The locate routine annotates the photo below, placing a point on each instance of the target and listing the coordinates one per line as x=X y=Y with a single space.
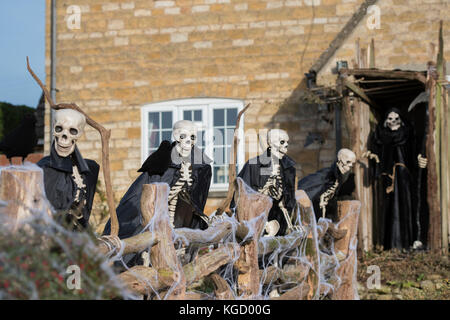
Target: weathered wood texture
x=253 y=207
x=348 y=215
x=163 y=255
x=21 y=190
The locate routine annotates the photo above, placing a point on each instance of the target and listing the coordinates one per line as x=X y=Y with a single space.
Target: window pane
x=154 y=139
x=231 y=117
x=166 y=135
x=230 y=135
x=166 y=120
x=153 y=120
x=198 y=115
x=219 y=137
x=219 y=117
x=187 y=115
x=219 y=155
x=220 y=174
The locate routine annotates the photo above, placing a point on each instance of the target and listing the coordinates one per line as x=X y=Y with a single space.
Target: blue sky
x=22 y=33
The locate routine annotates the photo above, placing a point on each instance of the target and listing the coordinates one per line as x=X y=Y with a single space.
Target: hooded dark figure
x=318 y=183
x=394 y=176
x=256 y=173
x=61 y=190
x=164 y=166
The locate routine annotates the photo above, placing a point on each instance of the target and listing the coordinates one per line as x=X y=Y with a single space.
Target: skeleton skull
x=346 y=160
x=68 y=127
x=278 y=141
x=185 y=134
x=393 y=121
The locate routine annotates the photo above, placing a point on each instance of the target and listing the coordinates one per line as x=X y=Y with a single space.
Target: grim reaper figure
x=328 y=185
x=273 y=173
x=185 y=168
x=69 y=179
x=392 y=147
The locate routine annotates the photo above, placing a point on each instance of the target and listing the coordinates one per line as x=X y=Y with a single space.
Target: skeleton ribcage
x=80 y=193
x=182 y=183
x=327 y=196
x=274 y=185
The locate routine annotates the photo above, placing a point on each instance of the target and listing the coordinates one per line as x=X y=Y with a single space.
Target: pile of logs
x=299 y=268
x=238 y=241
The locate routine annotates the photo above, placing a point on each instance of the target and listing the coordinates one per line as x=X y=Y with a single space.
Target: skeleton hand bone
x=371 y=155
x=423 y=162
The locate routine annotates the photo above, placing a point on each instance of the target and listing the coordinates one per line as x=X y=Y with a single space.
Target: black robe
x=129 y=209
x=317 y=183
x=60 y=188
x=395 y=209
x=255 y=174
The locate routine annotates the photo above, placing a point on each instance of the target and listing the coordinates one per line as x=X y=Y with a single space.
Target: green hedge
x=11 y=116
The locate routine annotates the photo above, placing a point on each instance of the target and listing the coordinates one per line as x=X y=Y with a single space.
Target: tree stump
x=154 y=207
x=21 y=192
x=348 y=215
x=254 y=208
x=312 y=248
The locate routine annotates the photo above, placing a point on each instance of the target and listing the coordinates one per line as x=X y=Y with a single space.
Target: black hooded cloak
x=397 y=167
x=129 y=209
x=317 y=183
x=60 y=188
x=255 y=174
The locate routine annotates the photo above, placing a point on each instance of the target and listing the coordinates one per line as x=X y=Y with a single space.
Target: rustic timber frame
x=360 y=89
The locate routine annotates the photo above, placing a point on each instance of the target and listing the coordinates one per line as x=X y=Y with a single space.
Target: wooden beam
x=388 y=74
x=360 y=92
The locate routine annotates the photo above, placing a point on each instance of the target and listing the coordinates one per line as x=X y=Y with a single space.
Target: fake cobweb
x=299 y=259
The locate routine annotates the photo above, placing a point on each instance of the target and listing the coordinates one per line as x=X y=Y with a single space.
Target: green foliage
x=11 y=116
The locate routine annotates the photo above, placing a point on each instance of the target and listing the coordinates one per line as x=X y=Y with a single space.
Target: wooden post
x=21 y=189
x=254 y=207
x=154 y=207
x=348 y=214
x=312 y=248
x=357 y=114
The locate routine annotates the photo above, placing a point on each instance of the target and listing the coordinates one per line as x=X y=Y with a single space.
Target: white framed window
x=216 y=120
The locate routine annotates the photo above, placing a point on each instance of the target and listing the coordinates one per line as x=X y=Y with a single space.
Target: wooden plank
x=360 y=92
x=388 y=74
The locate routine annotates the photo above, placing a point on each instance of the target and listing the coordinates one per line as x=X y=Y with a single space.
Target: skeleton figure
x=69 y=179
x=185 y=168
x=273 y=174
x=328 y=184
x=393 y=121
x=345 y=161
x=185 y=134
x=392 y=146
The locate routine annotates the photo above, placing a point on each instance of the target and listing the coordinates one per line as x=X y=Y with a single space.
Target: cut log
x=214 y=234
x=21 y=191
x=137 y=243
x=223 y=290
x=252 y=207
x=210 y=262
x=147 y=281
x=348 y=215
x=299 y=292
x=267 y=245
x=163 y=254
